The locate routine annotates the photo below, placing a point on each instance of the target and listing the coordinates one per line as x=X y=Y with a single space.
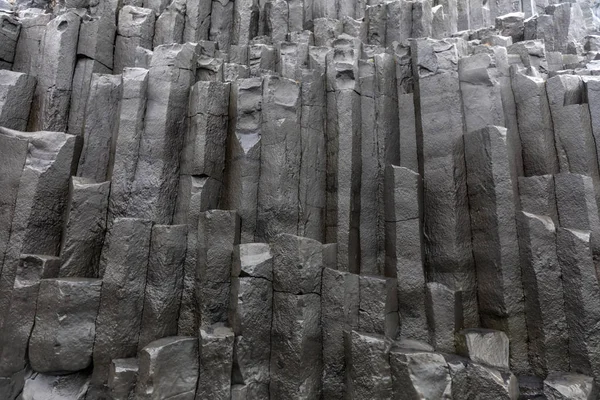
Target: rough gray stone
x=154 y=188
x=49 y=387
x=218 y=234
x=136 y=28
x=204 y=147
x=559 y=386
x=577 y=207
x=168 y=368
x=479 y=381
x=368 y=358
x=50 y=109
x=378 y=306
x=196 y=195
x=535 y=124
x=546 y=323
x=404 y=248
x=581 y=294
x=164 y=282
x=311 y=191
x=418 y=374
x=123 y=266
x=19 y=322
x=122 y=378
x=216 y=360
x=484 y=346
x=63 y=336
x=446 y=227
x=100 y=127
x=39 y=204
x=495 y=241
x=16 y=95
x=339 y=315
x=536 y=195
x=10 y=28
x=296 y=363
x=28 y=51
x=343 y=154
x=84 y=228
x=297 y=264
x=444 y=315
x=280 y=155
x=131 y=127
x=244 y=142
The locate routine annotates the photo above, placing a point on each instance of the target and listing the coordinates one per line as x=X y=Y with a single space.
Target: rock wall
x=299 y=199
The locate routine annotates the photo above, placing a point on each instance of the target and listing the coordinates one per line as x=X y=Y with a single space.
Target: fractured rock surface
x=299 y=199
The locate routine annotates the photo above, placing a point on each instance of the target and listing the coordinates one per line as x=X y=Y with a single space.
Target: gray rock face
x=49 y=387
x=50 y=107
x=404 y=248
x=495 y=241
x=296 y=347
x=63 y=337
x=16 y=94
x=19 y=322
x=40 y=164
x=124 y=263
x=569 y=386
x=164 y=283
x=546 y=323
x=218 y=234
x=122 y=378
x=418 y=374
x=100 y=127
x=216 y=359
x=85 y=228
x=484 y=346
x=370 y=374
x=168 y=368
x=321 y=198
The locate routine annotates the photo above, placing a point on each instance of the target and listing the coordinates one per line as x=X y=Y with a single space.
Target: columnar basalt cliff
x=299 y=199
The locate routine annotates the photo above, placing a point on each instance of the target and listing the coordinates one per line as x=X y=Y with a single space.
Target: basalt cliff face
x=299 y=199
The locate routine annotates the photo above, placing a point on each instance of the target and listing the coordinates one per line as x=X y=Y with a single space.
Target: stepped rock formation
x=299 y=199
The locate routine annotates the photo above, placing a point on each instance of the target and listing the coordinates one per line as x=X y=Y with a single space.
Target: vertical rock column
x=123 y=265
x=19 y=322
x=218 y=234
x=197 y=21
x=280 y=155
x=16 y=94
x=343 y=153
x=154 y=189
x=573 y=137
x=242 y=175
x=84 y=229
x=535 y=124
x=339 y=315
x=250 y=316
x=311 y=191
x=100 y=127
x=495 y=242
x=296 y=363
x=582 y=295
x=63 y=336
x=201 y=179
x=404 y=248
x=50 y=110
x=577 y=208
x=448 y=256
x=136 y=28
x=164 y=282
x=168 y=368
x=131 y=126
x=9 y=35
x=41 y=200
x=544 y=307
